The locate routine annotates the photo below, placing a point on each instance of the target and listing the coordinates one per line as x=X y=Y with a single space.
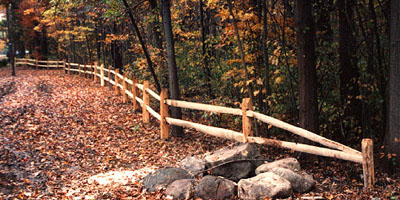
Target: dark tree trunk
x=392 y=139
x=116 y=51
x=142 y=43
x=265 y=53
x=204 y=33
x=306 y=65
x=348 y=73
x=172 y=68
x=10 y=39
x=155 y=26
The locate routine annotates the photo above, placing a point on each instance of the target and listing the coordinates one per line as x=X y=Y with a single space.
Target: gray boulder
x=234 y=171
x=300 y=182
x=244 y=154
x=164 y=177
x=181 y=189
x=213 y=187
x=265 y=185
x=193 y=165
x=288 y=163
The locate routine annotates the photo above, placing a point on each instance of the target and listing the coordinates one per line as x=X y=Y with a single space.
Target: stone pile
x=231 y=171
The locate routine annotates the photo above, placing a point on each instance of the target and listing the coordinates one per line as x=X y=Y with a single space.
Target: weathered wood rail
x=120 y=83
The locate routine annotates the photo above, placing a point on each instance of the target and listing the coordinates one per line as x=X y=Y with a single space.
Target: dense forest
x=331 y=67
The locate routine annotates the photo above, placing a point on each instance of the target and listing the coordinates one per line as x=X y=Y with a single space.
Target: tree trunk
x=349 y=75
x=392 y=139
x=10 y=39
x=205 y=56
x=265 y=53
x=172 y=68
x=306 y=65
x=142 y=43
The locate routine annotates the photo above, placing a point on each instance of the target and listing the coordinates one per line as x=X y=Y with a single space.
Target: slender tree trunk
x=142 y=43
x=205 y=55
x=306 y=65
x=392 y=139
x=172 y=68
x=10 y=39
x=241 y=51
x=348 y=74
x=265 y=53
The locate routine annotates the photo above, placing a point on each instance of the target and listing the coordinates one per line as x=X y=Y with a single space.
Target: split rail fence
x=120 y=81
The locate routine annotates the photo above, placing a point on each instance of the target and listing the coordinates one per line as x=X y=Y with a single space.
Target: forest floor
x=57 y=132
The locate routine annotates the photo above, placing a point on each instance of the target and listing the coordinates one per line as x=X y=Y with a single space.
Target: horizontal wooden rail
x=308 y=149
x=153 y=94
x=153 y=112
x=204 y=107
x=140 y=86
x=303 y=133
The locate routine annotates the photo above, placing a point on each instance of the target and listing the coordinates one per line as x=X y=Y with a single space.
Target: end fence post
x=134 y=93
x=246 y=121
x=367 y=149
x=164 y=127
x=125 y=99
x=146 y=101
x=116 y=88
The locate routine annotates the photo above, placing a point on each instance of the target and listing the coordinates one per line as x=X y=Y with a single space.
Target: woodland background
x=323 y=65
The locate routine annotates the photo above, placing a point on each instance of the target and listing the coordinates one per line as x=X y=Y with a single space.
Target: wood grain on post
x=164 y=113
x=69 y=69
x=246 y=121
x=368 y=162
x=134 y=93
x=95 y=72
x=109 y=76
x=125 y=98
x=116 y=88
x=102 y=75
x=146 y=101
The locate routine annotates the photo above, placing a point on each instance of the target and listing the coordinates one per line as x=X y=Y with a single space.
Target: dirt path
x=58 y=130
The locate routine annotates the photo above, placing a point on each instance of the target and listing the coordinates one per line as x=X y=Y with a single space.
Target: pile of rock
x=229 y=172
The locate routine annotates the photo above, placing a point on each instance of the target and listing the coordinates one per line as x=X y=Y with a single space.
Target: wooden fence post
x=95 y=73
x=58 y=63
x=146 y=101
x=164 y=127
x=102 y=75
x=368 y=162
x=69 y=69
x=65 y=68
x=36 y=64
x=109 y=77
x=246 y=121
x=134 y=93
x=48 y=64
x=116 y=88
x=84 y=70
x=79 y=69
x=125 y=99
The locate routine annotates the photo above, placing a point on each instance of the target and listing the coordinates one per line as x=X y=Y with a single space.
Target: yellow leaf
x=256 y=92
x=278 y=80
x=259 y=81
